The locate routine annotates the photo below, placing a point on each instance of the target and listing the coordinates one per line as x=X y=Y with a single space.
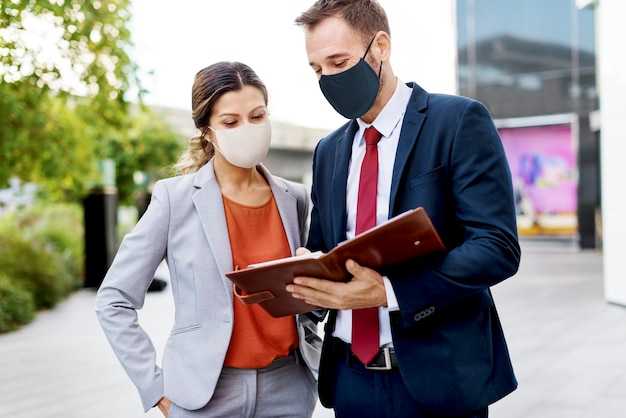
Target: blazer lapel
x=411 y=127
x=340 y=181
x=210 y=206
x=287 y=207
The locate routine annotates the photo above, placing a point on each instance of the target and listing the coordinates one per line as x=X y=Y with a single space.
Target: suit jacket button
x=423 y=314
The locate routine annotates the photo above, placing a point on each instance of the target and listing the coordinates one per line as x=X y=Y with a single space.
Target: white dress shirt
x=389 y=124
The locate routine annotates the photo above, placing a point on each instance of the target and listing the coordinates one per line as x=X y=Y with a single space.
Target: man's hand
x=365 y=290
x=302 y=251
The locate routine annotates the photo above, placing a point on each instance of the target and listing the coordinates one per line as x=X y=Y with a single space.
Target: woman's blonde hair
x=209 y=85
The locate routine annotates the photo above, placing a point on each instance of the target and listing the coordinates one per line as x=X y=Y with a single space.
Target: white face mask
x=244 y=146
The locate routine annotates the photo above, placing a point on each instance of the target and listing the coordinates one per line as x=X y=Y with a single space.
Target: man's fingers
x=313 y=283
x=365 y=289
x=353 y=267
x=315 y=291
x=302 y=251
x=303 y=285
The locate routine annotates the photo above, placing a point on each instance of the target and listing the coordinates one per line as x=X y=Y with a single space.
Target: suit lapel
x=340 y=181
x=411 y=127
x=287 y=206
x=210 y=206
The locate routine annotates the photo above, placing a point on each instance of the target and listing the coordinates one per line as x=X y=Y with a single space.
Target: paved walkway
x=568 y=347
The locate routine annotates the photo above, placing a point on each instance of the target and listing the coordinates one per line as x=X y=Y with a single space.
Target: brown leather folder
x=402 y=238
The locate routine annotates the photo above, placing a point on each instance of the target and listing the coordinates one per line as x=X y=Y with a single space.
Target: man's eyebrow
x=332 y=57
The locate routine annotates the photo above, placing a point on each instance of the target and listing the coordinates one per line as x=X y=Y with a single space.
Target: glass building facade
x=527 y=57
x=533 y=64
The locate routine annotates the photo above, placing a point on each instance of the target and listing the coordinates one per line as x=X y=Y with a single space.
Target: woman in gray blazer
x=224 y=212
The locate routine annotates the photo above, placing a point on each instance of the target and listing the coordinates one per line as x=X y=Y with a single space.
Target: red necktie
x=365 y=321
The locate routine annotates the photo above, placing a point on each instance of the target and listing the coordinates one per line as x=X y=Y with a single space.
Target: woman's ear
x=205 y=133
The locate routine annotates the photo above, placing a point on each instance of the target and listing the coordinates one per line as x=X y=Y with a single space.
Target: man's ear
x=382 y=46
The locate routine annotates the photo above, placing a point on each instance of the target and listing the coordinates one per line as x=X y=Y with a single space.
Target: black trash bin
x=100 y=217
x=142 y=193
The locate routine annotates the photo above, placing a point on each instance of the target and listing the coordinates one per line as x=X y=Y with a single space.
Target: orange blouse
x=256 y=235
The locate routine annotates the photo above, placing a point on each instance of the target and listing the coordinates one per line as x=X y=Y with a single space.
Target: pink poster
x=543 y=167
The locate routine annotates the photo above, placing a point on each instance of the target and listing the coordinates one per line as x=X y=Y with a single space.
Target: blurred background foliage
x=69 y=97
x=41 y=256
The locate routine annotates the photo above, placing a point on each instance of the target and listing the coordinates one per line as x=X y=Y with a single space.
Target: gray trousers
x=285 y=388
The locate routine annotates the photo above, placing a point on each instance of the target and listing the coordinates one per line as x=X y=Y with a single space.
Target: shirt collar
x=392 y=113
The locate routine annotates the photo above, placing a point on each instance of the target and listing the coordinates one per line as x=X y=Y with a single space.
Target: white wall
x=611 y=30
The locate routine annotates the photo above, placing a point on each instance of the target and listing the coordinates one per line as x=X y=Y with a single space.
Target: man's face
x=333 y=47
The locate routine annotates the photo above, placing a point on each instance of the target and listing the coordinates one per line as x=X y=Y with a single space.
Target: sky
x=174 y=40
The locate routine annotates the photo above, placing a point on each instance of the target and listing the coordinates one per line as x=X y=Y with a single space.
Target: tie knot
x=372 y=136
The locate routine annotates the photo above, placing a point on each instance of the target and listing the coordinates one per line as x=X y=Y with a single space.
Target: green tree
x=149 y=145
x=66 y=80
x=71 y=47
x=42 y=140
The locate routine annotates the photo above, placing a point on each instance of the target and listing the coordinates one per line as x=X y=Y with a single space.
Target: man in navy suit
x=440 y=347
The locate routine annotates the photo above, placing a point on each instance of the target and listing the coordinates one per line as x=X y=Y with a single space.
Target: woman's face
x=235 y=108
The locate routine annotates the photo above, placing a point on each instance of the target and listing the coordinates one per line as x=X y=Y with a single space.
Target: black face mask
x=353 y=91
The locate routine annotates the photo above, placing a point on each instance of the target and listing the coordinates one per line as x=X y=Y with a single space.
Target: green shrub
x=57 y=225
x=17 y=306
x=41 y=260
x=35 y=266
x=60 y=225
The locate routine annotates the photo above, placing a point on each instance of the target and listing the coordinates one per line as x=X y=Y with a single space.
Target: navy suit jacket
x=448 y=339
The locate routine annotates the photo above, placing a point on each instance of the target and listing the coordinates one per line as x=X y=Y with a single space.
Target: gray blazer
x=185 y=225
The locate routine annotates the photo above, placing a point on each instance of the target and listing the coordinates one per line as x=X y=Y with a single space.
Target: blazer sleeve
x=315 y=240
x=478 y=217
x=123 y=292
x=303 y=212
